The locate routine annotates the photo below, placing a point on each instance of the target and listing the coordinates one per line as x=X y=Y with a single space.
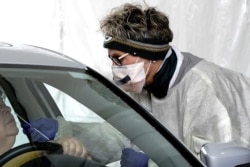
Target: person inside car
x=9 y=131
x=8 y=128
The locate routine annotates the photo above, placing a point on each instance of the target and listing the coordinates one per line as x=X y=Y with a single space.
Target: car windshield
x=89 y=111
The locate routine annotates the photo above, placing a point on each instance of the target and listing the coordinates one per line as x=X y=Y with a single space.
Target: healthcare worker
x=200 y=102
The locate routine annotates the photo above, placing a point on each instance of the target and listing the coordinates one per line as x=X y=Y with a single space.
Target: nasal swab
x=32 y=127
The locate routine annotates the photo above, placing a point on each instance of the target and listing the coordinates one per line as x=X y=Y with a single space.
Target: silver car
x=40 y=83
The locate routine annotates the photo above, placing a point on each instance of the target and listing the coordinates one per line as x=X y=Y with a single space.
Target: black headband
x=147 y=49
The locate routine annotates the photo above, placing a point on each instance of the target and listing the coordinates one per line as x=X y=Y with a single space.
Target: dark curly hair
x=131 y=21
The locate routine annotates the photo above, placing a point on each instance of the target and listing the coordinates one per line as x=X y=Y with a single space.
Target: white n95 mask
x=130 y=78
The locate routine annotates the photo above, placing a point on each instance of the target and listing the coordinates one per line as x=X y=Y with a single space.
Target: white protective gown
x=209 y=104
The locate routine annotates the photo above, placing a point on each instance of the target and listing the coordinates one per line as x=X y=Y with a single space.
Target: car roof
x=21 y=54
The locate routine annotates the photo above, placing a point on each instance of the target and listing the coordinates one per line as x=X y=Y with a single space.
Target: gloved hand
x=41 y=130
x=131 y=158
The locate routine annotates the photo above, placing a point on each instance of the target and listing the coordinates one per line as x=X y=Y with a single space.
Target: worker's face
x=126 y=60
x=150 y=68
x=133 y=73
x=119 y=59
x=8 y=128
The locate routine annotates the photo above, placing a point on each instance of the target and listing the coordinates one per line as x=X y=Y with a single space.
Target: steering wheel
x=27 y=152
x=43 y=154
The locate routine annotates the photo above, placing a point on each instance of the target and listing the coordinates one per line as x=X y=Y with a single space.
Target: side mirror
x=225 y=155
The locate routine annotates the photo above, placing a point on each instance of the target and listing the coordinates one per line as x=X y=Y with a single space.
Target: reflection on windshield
x=118 y=125
x=71 y=109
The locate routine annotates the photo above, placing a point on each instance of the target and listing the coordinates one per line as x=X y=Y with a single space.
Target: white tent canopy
x=218 y=30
